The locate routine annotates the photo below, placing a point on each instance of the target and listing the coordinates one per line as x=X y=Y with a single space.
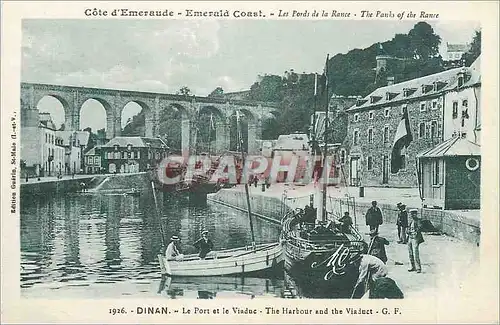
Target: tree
x=424 y=43
x=475 y=49
x=217 y=93
x=184 y=91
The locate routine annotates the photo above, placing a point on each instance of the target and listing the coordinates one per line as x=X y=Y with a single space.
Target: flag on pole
x=402 y=139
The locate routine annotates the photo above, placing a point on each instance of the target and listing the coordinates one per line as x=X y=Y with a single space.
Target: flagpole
x=325 y=139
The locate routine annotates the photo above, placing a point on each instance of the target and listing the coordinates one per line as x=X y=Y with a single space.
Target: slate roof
x=453 y=147
x=91 y=152
x=449 y=78
x=138 y=142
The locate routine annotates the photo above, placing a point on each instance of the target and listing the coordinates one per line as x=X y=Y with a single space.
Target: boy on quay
x=377 y=246
x=402 y=223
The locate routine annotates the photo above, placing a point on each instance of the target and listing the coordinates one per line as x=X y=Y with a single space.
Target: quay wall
x=269 y=208
x=40 y=188
x=451 y=223
x=125 y=182
x=95 y=183
x=272 y=208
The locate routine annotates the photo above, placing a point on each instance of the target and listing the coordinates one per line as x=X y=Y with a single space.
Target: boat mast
x=325 y=149
x=247 y=193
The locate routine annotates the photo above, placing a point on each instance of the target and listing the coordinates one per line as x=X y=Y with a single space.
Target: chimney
x=390 y=81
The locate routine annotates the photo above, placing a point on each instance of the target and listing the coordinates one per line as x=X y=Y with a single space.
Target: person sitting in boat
x=370 y=269
x=377 y=246
x=309 y=214
x=172 y=252
x=345 y=223
x=204 y=244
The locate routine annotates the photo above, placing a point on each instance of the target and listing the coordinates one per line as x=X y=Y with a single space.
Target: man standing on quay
x=374 y=217
x=415 y=238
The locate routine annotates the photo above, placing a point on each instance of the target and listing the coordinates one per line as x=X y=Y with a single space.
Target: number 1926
x=114 y=311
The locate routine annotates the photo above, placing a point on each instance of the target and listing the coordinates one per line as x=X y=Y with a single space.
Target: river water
x=90 y=245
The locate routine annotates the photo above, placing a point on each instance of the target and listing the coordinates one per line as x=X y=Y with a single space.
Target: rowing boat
x=225 y=262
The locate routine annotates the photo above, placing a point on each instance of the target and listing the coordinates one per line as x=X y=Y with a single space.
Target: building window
x=342 y=156
x=455 y=110
x=386 y=134
x=356 y=117
x=355 y=137
x=434 y=104
x=369 y=163
x=370 y=135
x=46 y=138
x=138 y=154
x=386 y=112
x=460 y=81
x=421 y=130
x=422 y=106
x=465 y=103
x=129 y=155
x=110 y=155
x=370 y=115
x=433 y=129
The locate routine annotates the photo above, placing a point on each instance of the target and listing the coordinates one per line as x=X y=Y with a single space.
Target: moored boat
x=318 y=249
x=225 y=262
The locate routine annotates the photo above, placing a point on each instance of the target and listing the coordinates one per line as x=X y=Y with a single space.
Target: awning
x=453 y=147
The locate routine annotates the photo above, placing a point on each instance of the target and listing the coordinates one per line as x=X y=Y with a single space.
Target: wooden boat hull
x=226 y=262
x=316 y=282
x=321 y=266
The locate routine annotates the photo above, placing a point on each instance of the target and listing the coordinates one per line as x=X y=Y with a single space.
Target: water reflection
x=110 y=242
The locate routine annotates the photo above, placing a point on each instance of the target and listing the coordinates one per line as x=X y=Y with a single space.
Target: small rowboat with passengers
x=225 y=262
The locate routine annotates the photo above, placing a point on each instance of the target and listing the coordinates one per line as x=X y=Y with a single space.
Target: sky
x=164 y=55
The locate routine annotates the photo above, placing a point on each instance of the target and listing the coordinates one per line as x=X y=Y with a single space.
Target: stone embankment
x=94 y=183
x=275 y=201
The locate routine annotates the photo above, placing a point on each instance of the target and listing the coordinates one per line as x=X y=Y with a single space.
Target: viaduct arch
x=114 y=101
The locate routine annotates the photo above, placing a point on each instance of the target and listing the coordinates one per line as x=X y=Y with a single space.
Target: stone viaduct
x=72 y=98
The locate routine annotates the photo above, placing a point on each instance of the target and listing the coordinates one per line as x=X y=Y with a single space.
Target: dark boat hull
x=315 y=280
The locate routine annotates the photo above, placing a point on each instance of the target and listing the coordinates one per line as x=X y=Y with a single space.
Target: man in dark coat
x=204 y=245
x=402 y=223
x=374 y=216
x=377 y=246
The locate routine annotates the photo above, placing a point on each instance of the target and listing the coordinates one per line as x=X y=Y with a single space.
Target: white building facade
x=462 y=102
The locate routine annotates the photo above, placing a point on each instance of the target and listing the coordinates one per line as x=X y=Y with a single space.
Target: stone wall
x=36 y=188
x=265 y=207
x=379 y=148
x=448 y=222
x=272 y=208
